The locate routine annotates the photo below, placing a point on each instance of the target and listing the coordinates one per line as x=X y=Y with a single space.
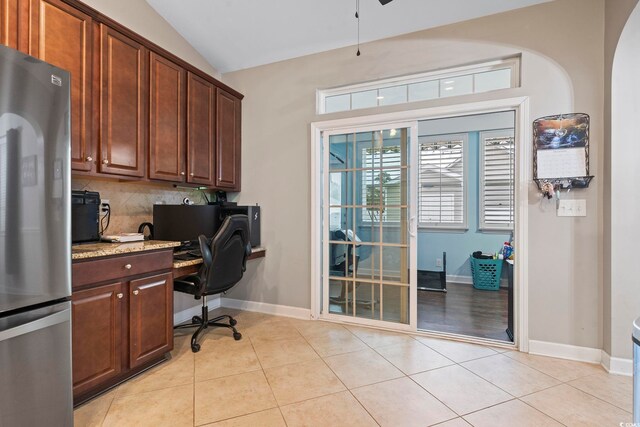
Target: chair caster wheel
x=237 y=336
x=195 y=348
x=233 y=322
x=195 y=319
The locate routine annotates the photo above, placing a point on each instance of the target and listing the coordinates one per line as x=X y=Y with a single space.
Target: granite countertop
x=196 y=261
x=95 y=250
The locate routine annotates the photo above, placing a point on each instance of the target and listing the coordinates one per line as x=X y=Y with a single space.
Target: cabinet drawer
x=100 y=270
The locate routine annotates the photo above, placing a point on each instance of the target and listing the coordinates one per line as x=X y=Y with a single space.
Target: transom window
x=477 y=78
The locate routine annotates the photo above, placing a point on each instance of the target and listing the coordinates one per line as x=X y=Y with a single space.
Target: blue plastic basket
x=486 y=273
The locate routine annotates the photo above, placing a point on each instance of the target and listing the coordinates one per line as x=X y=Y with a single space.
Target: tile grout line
x=542 y=412
x=108 y=409
x=193 y=412
x=594 y=396
x=266 y=378
x=339 y=379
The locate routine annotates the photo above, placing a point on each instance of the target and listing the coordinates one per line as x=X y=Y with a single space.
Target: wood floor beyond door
x=464 y=310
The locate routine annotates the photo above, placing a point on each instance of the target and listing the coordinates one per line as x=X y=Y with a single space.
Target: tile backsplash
x=132 y=202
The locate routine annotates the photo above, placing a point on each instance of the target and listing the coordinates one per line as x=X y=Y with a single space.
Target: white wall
x=138 y=16
x=562 y=71
x=625 y=174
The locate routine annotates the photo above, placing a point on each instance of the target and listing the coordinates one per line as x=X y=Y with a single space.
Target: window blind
x=381 y=184
x=441 y=184
x=497 y=185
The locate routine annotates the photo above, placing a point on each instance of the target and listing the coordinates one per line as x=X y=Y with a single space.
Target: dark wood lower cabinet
x=121 y=325
x=150 y=318
x=97 y=336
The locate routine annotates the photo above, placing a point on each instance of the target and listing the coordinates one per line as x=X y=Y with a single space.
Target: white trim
x=565 y=351
x=467 y=339
x=521 y=232
x=617 y=365
x=263 y=307
x=523 y=181
x=316 y=222
x=454 y=278
x=512 y=63
x=186 y=314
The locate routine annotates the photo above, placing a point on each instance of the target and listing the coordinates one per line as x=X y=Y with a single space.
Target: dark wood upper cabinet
x=167 y=119
x=9 y=23
x=61 y=35
x=123 y=90
x=228 y=128
x=150 y=318
x=200 y=131
x=97 y=335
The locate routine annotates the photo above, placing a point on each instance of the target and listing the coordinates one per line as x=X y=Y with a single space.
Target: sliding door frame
x=523 y=179
x=412 y=228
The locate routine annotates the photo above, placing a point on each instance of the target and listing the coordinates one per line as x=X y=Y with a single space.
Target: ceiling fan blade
x=383 y=2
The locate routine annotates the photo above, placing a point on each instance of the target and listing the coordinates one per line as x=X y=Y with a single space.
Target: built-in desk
x=183 y=268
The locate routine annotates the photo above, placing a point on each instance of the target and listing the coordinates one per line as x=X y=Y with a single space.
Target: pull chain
x=358 y=18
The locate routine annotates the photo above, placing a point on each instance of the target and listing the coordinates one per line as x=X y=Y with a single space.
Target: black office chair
x=224 y=262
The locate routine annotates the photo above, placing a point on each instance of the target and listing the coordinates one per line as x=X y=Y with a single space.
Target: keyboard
x=187 y=255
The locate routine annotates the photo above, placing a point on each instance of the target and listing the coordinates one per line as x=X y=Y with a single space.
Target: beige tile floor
x=288 y=372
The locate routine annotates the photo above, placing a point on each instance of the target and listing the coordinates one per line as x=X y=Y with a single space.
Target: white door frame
x=523 y=179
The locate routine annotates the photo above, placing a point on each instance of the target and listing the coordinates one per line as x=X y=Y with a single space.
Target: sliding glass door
x=369 y=256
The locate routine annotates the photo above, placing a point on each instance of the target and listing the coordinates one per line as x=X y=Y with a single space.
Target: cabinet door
x=167 y=120
x=9 y=23
x=200 y=131
x=97 y=335
x=61 y=35
x=123 y=96
x=150 y=318
x=228 y=116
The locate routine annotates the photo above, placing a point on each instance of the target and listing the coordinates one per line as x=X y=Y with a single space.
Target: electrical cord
x=103 y=228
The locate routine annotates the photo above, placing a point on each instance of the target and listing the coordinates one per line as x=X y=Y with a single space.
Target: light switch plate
x=575 y=207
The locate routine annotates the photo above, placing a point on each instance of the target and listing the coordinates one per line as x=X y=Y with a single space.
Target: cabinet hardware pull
x=191 y=174
x=128 y=266
x=182 y=173
x=120 y=295
x=105 y=161
x=89 y=159
x=136 y=292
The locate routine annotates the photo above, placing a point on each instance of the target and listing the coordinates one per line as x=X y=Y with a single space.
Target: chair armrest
x=247 y=252
x=190 y=280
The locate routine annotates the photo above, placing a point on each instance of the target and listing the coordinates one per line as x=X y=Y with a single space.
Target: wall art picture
x=561 y=131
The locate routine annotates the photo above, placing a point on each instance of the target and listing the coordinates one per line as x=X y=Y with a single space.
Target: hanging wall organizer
x=561 y=152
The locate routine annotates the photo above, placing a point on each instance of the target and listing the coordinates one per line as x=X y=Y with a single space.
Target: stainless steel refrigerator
x=35 y=243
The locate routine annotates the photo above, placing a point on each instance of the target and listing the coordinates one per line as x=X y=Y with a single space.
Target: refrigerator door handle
x=44 y=322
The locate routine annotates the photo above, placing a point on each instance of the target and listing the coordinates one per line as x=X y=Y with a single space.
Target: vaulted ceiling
x=237 y=34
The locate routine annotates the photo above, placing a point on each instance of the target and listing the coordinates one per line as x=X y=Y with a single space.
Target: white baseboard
x=263 y=307
x=187 y=314
x=565 y=351
x=466 y=280
x=617 y=365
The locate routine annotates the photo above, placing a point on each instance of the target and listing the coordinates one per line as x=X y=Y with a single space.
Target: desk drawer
x=100 y=270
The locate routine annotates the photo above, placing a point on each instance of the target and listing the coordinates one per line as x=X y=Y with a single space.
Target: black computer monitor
x=184 y=223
